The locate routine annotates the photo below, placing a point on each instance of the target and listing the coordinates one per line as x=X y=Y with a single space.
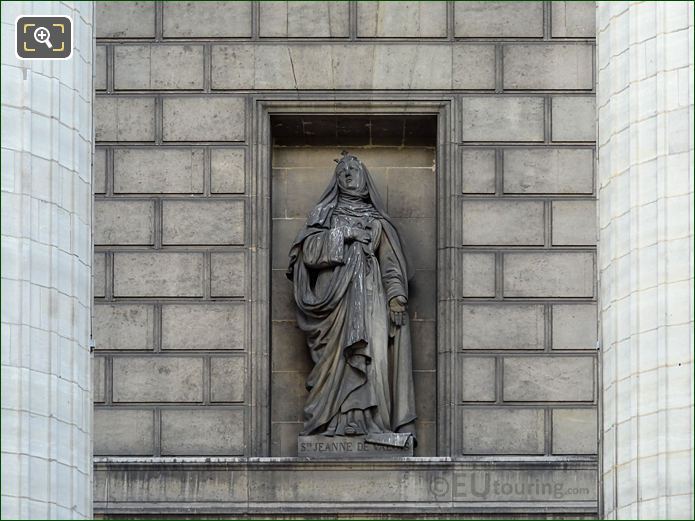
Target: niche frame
x=448 y=226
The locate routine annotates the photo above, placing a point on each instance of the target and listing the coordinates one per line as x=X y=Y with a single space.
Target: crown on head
x=346 y=156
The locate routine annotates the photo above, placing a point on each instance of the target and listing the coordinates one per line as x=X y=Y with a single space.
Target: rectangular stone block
x=158 y=66
x=123 y=222
x=574 y=118
x=284 y=233
x=551 y=379
x=99 y=275
x=292 y=67
x=204 y=119
x=100 y=68
x=158 y=170
x=157 y=379
x=208 y=326
x=478 y=171
x=517 y=223
x=478 y=273
x=430 y=67
x=574 y=431
x=419 y=236
x=298 y=189
x=575 y=326
x=493 y=430
x=228 y=274
x=574 y=223
x=200 y=222
x=411 y=192
x=234 y=66
x=207 y=19
x=478 y=382
x=553 y=171
x=228 y=379
x=289 y=351
x=123 y=432
x=227 y=171
x=426 y=433
x=473 y=67
x=161 y=274
x=502 y=326
x=123 y=326
x=401 y=20
x=549 y=274
x=278 y=190
x=425 y=387
x=288 y=392
x=554 y=66
x=303 y=20
x=124 y=20
x=203 y=432
x=98 y=379
x=503 y=119
x=123 y=119
x=424 y=342
x=573 y=19
x=99 y=178
x=282 y=296
x=283 y=441
x=498 y=19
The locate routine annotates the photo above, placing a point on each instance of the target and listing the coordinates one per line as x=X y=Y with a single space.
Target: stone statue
x=350 y=278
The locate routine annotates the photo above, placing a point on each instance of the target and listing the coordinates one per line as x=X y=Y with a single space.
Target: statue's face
x=351 y=176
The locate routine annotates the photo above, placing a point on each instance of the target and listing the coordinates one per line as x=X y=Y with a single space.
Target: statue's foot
x=350 y=430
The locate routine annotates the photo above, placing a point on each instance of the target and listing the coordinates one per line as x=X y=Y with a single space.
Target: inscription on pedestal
x=351 y=447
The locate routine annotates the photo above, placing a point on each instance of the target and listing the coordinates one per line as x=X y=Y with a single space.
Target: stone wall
x=46 y=263
x=184 y=208
x=170 y=290
x=527 y=367
x=645 y=115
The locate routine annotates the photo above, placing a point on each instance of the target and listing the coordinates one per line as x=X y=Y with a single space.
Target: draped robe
x=361 y=382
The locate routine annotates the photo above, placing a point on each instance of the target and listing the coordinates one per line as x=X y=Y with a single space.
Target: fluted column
x=46 y=263
x=645 y=165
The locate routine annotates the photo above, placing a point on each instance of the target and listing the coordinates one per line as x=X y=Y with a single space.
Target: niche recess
x=400 y=152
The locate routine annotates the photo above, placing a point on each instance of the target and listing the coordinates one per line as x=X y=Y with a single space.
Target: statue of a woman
x=351 y=288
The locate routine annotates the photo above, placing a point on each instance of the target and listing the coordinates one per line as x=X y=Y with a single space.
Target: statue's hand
x=363 y=236
x=398 y=310
x=358 y=234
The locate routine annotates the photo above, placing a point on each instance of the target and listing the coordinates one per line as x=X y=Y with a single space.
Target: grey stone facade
x=192 y=223
x=215 y=121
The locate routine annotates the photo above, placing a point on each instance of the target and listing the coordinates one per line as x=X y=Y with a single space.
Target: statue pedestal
x=373 y=446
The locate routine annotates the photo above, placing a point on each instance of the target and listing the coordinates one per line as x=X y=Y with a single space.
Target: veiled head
x=351 y=176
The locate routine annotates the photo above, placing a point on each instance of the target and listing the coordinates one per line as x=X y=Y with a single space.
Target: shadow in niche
x=354 y=130
x=400 y=152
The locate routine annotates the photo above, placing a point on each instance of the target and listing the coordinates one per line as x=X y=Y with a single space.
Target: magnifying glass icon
x=42 y=35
